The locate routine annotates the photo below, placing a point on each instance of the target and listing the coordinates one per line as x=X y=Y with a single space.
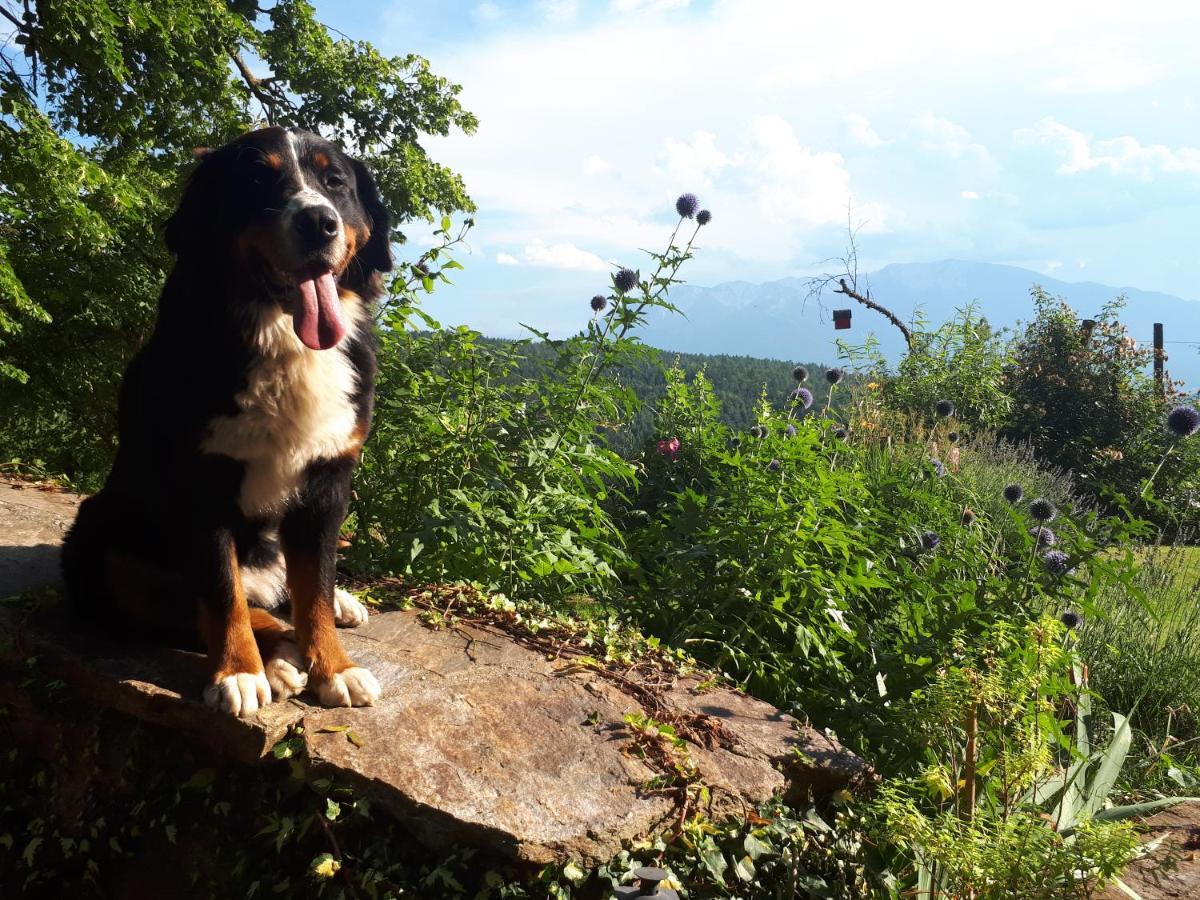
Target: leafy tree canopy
x=101 y=105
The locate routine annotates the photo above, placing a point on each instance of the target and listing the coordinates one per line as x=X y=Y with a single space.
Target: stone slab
x=478 y=740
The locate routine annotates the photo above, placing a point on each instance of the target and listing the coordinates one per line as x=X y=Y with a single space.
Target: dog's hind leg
x=264 y=578
x=283 y=663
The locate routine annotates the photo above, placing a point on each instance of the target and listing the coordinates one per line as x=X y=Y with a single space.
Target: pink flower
x=669 y=448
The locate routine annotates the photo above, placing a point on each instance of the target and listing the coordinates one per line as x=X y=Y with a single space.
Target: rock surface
x=478 y=739
x=1172 y=870
x=33 y=523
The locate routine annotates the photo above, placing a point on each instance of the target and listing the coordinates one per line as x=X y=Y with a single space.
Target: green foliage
x=1144 y=656
x=98 y=120
x=488 y=469
x=808 y=549
x=963 y=360
x=1082 y=399
x=1015 y=790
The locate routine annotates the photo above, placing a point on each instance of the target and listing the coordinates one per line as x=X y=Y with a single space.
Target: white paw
x=241 y=694
x=355 y=686
x=285 y=671
x=348 y=610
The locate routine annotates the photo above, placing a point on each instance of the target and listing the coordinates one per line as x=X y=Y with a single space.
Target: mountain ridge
x=778 y=320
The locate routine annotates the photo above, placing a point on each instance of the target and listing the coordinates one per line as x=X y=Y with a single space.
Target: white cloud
x=1053 y=264
x=559 y=12
x=859 y=128
x=596 y=165
x=941 y=137
x=1077 y=152
x=1102 y=70
x=793 y=183
x=649 y=5
x=507 y=259
x=487 y=12
x=694 y=163
x=908 y=111
x=562 y=256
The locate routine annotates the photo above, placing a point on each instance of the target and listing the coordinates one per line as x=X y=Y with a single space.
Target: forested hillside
x=738 y=383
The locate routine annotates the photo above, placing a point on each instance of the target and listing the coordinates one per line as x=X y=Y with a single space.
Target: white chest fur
x=296 y=409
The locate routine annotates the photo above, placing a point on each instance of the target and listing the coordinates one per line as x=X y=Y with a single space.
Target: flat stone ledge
x=478 y=740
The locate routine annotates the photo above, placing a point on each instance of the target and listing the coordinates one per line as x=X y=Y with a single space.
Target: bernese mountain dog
x=240 y=422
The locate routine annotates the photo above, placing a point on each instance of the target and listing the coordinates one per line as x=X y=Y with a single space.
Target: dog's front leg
x=309 y=533
x=237 y=682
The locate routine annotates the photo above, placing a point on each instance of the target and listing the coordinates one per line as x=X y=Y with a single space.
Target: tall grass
x=1144 y=655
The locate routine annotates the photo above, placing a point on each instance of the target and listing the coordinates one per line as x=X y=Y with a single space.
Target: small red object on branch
x=841 y=319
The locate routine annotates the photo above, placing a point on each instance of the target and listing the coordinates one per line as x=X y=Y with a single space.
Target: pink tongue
x=318 y=314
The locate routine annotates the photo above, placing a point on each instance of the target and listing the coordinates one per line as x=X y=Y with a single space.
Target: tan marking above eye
x=320 y=160
x=274 y=160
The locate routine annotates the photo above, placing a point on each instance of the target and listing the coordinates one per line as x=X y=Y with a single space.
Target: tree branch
x=20 y=25
x=844 y=288
x=847 y=282
x=255 y=84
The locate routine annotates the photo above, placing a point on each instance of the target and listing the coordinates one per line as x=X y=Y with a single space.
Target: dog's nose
x=317 y=225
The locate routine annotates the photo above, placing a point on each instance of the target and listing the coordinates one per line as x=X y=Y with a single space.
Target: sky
x=1059 y=136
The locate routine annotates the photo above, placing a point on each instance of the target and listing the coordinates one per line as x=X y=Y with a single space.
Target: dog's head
x=302 y=214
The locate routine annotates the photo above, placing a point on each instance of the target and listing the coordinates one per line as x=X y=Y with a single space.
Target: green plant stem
x=1154 y=474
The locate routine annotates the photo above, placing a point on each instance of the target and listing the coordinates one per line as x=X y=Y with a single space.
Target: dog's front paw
x=354 y=686
x=348 y=610
x=241 y=694
x=285 y=671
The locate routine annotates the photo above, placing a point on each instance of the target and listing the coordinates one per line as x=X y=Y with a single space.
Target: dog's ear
x=194 y=221
x=376 y=253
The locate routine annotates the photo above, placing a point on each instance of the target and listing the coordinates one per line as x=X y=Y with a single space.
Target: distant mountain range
x=773 y=320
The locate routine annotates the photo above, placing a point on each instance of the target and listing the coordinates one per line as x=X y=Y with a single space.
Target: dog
x=240 y=423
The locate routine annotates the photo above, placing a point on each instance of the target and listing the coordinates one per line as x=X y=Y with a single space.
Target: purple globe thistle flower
x=938 y=466
x=945 y=408
x=968 y=515
x=800 y=373
x=774 y=465
x=598 y=303
x=758 y=431
x=1183 y=421
x=803 y=396
x=790 y=431
x=1071 y=619
x=686 y=205
x=834 y=376
x=1045 y=537
x=841 y=433
x=1043 y=510
x=1056 y=562
x=704 y=217
x=930 y=541
x=953 y=437
x=1013 y=493
x=625 y=280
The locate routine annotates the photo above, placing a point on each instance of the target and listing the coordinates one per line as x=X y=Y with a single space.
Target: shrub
x=1082 y=400
x=963 y=359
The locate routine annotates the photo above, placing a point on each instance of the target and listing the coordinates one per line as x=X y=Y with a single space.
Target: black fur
x=152 y=551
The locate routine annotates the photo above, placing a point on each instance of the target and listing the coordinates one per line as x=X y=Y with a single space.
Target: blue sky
x=1059 y=136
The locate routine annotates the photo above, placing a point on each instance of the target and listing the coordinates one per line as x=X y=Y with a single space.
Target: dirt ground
x=33 y=522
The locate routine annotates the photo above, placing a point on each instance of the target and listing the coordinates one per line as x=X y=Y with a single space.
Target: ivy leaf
x=324 y=866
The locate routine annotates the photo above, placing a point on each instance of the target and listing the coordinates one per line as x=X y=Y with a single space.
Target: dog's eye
x=334 y=181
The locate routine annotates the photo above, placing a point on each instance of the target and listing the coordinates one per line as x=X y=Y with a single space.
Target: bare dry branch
x=847 y=281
